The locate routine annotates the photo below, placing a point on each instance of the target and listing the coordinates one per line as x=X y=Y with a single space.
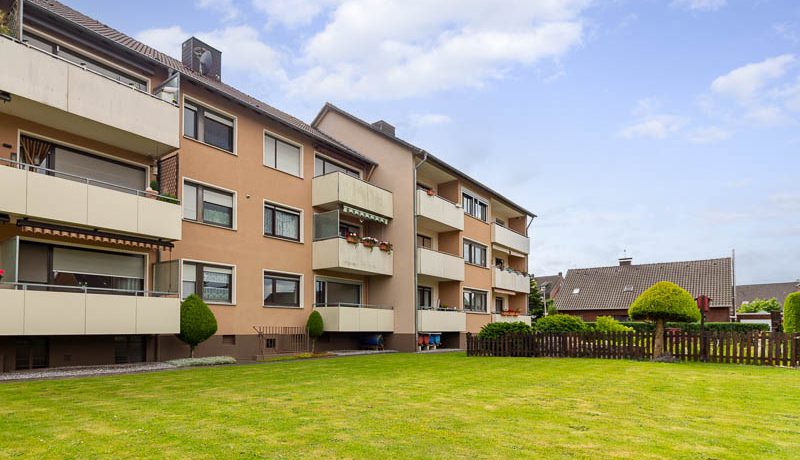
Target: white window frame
x=486 y=250
x=213 y=108
x=479 y=198
x=232 y=303
x=301 y=228
x=287 y=141
x=185 y=179
x=301 y=287
x=333 y=160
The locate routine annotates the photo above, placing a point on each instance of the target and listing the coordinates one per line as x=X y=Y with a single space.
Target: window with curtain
x=208 y=126
x=474 y=300
x=205 y=204
x=281 y=222
x=281 y=155
x=474 y=253
x=281 y=290
x=213 y=283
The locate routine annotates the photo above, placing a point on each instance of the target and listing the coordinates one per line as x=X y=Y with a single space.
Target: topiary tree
x=560 y=323
x=535 y=304
x=791 y=313
x=197 y=322
x=662 y=302
x=315 y=327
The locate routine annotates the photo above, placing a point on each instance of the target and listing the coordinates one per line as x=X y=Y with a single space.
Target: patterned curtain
x=34 y=150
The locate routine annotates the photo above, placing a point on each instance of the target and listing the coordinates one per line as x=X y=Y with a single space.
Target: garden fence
x=761 y=348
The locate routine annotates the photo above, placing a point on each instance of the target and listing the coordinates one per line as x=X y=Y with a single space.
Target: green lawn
x=412 y=406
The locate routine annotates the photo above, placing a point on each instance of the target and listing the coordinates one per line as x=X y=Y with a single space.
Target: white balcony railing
x=343 y=317
x=339 y=255
x=47 y=89
x=441 y=321
x=510 y=281
x=439 y=214
x=510 y=239
x=29 y=309
x=440 y=265
x=31 y=191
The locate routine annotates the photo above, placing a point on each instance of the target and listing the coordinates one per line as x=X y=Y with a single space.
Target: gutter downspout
x=414 y=246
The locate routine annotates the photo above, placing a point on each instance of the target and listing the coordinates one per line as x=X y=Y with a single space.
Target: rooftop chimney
x=384 y=127
x=624 y=261
x=202 y=58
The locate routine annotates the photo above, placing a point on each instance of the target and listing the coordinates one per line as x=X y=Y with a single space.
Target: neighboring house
x=550 y=285
x=747 y=293
x=96 y=267
x=609 y=291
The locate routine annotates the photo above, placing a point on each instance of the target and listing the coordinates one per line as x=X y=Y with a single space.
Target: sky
x=663 y=130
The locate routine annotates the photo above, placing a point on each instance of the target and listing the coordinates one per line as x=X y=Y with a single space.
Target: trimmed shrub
x=609 y=324
x=791 y=313
x=315 y=328
x=759 y=305
x=208 y=361
x=560 y=323
x=662 y=302
x=197 y=322
x=497 y=330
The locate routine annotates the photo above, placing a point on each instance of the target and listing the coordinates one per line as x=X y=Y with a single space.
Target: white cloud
x=700 y=5
x=745 y=83
x=226 y=8
x=768 y=115
x=709 y=135
x=293 y=13
x=167 y=39
x=430 y=119
x=653 y=126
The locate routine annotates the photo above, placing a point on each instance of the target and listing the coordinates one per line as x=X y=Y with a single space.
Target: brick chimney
x=625 y=261
x=202 y=58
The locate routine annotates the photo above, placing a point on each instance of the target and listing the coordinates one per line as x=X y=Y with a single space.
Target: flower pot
x=385 y=247
x=368 y=244
x=352 y=240
x=431 y=193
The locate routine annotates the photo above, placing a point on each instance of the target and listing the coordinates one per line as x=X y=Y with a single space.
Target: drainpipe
x=414 y=246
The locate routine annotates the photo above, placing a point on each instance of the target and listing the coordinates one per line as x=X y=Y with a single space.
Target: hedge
x=497 y=330
x=641 y=326
x=560 y=323
x=791 y=313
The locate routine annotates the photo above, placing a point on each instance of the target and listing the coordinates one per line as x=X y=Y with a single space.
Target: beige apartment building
x=130 y=179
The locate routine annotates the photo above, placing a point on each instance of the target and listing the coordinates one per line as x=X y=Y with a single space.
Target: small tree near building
x=197 y=322
x=791 y=313
x=535 y=304
x=662 y=302
x=315 y=328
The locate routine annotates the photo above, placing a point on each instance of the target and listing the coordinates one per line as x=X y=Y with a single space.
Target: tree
x=315 y=328
x=662 y=302
x=791 y=313
x=535 y=303
x=197 y=322
x=759 y=305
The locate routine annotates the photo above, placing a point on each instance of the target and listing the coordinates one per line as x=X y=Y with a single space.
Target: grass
x=411 y=406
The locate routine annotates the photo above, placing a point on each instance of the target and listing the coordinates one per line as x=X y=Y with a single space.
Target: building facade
x=130 y=179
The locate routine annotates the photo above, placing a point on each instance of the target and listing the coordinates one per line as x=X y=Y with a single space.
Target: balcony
x=337 y=254
x=49 y=90
x=75 y=311
x=356 y=318
x=441 y=321
x=76 y=200
x=510 y=281
x=439 y=214
x=496 y=318
x=331 y=190
x=509 y=239
x=439 y=265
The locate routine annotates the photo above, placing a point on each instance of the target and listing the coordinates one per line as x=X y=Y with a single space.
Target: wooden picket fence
x=761 y=348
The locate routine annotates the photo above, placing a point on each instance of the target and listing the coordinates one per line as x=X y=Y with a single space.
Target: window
x=499 y=222
x=281 y=222
x=474 y=253
x=345 y=229
x=324 y=166
x=475 y=207
x=498 y=304
x=425 y=297
x=84 y=61
x=576 y=290
x=282 y=155
x=207 y=126
x=281 y=290
x=424 y=241
x=202 y=203
x=628 y=288
x=335 y=293
x=474 y=300
x=211 y=282
x=499 y=263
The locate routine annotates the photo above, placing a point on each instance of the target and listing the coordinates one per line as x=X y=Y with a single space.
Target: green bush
x=640 y=326
x=665 y=301
x=759 y=305
x=791 y=313
x=497 y=330
x=315 y=328
x=560 y=323
x=197 y=322
x=609 y=324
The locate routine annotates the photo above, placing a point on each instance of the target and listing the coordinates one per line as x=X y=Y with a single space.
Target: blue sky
x=664 y=128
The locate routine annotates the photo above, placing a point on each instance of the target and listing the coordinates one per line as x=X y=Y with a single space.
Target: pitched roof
x=414 y=149
x=117 y=38
x=550 y=282
x=616 y=287
x=750 y=292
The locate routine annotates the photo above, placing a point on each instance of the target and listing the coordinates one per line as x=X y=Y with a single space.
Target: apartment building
x=130 y=179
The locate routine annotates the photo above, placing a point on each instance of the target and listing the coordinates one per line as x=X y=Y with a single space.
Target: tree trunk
x=191 y=351
x=658 y=340
x=313 y=345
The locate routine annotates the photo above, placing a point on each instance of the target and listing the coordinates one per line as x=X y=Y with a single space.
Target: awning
x=95 y=236
x=364 y=215
x=504 y=292
x=506 y=250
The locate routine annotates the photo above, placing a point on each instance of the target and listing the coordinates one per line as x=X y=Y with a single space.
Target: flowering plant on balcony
x=369 y=241
x=353 y=238
x=386 y=246
x=2 y=274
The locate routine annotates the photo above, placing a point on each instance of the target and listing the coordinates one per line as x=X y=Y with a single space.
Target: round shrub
x=665 y=301
x=497 y=330
x=560 y=323
x=609 y=324
x=791 y=313
x=197 y=322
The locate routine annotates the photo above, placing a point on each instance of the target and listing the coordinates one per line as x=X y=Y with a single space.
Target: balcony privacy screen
x=98 y=263
x=326 y=225
x=34 y=151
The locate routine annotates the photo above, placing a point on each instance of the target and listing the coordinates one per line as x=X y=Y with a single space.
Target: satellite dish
x=206 y=60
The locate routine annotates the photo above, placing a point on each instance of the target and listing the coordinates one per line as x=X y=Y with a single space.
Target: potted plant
x=353 y=238
x=369 y=241
x=386 y=246
x=431 y=192
x=2 y=273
